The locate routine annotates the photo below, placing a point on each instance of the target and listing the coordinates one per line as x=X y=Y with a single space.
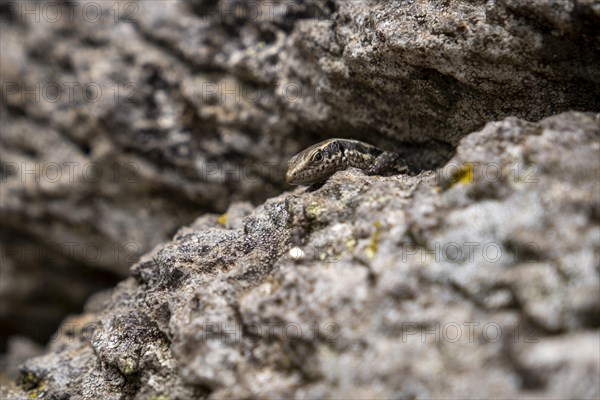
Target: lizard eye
x=317 y=157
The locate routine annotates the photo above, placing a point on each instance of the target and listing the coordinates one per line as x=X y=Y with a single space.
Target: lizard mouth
x=294 y=178
x=290 y=175
x=290 y=178
x=306 y=178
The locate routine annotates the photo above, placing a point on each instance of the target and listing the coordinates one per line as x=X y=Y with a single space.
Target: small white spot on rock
x=296 y=253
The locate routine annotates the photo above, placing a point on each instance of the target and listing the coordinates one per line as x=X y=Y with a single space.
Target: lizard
x=317 y=163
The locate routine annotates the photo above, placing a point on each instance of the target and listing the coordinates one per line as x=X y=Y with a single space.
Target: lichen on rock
x=488 y=281
x=242 y=288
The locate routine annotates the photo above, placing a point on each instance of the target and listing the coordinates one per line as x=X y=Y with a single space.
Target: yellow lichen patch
x=314 y=210
x=463 y=175
x=380 y=198
x=29 y=378
x=350 y=243
x=374 y=245
x=31 y=383
x=37 y=392
x=127 y=365
x=223 y=219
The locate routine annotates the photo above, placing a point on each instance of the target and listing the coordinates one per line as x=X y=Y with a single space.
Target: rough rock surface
x=158 y=111
x=478 y=280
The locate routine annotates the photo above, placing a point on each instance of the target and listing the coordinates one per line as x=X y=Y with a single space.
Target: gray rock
x=19 y=350
x=455 y=284
x=160 y=111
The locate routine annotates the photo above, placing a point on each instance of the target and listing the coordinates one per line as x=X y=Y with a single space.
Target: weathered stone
x=202 y=102
x=457 y=284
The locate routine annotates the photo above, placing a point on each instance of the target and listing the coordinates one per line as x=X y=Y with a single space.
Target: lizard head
x=315 y=164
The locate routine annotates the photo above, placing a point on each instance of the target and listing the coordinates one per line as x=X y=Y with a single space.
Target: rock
x=19 y=350
x=478 y=280
x=121 y=122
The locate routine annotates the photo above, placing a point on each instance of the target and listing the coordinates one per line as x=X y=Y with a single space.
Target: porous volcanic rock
x=478 y=280
x=156 y=112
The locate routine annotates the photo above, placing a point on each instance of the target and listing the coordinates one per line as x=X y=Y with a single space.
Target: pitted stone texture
x=388 y=294
x=204 y=101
